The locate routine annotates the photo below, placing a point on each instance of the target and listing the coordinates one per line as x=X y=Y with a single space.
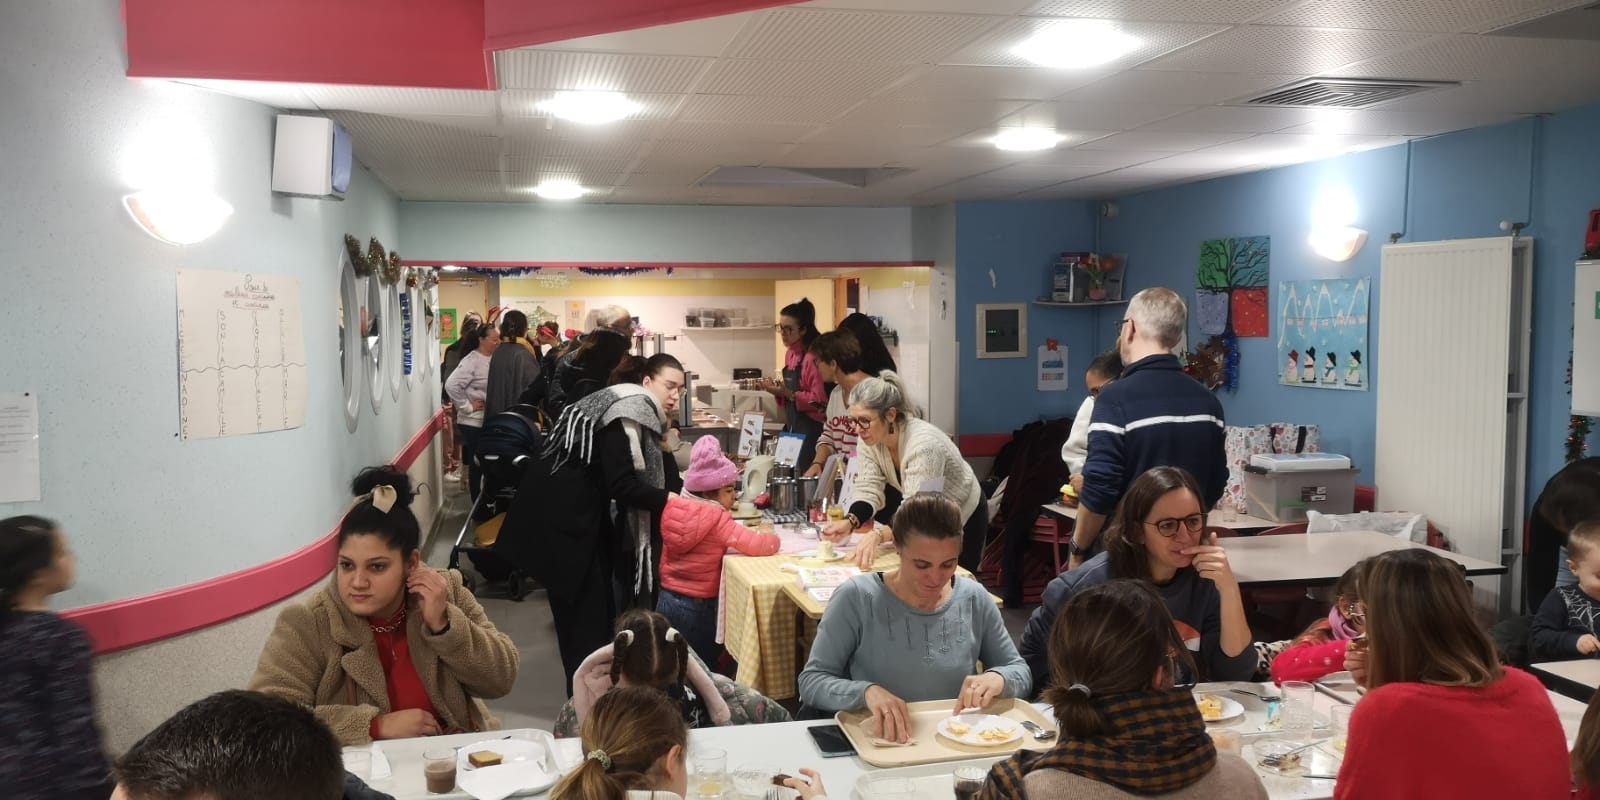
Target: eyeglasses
x=1169 y=527
x=1354 y=612
x=786 y=328
x=862 y=423
x=1122 y=322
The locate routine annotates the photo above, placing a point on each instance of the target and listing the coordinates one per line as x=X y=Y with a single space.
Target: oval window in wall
x=351 y=364
x=373 y=319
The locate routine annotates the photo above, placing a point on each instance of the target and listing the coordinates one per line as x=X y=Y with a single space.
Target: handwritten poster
x=19 y=447
x=241 y=354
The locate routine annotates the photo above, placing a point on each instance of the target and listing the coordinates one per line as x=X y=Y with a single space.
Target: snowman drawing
x=1291 y=374
x=1330 y=369
x=1308 y=373
x=1352 y=375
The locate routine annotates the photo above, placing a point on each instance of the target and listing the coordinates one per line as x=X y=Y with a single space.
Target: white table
x=1577 y=679
x=405 y=781
x=1318 y=559
x=1216 y=519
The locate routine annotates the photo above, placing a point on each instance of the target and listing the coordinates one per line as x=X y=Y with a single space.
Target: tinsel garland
x=375 y=259
x=423 y=278
x=504 y=272
x=1578 y=430
x=1230 y=362
x=616 y=271
x=358 y=259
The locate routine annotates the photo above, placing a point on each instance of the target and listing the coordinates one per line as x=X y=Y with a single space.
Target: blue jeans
x=696 y=619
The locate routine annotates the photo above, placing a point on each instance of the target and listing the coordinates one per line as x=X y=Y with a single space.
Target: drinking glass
x=891 y=789
x=710 y=769
x=969 y=782
x=1227 y=740
x=1339 y=720
x=439 y=770
x=358 y=763
x=1295 y=721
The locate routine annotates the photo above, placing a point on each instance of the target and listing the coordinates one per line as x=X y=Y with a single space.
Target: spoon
x=1039 y=734
x=1261 y=697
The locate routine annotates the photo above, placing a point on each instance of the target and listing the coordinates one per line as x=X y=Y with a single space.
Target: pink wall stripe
x=666 y=264
x=137 y=621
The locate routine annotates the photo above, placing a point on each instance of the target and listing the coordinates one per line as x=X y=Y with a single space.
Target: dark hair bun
x=385 y=475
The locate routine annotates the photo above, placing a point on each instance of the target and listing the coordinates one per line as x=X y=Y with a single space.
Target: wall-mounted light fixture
x=177 y=216
x=1334 y=235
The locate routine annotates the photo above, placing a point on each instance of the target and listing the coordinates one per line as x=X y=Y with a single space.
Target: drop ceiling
x=922 y=85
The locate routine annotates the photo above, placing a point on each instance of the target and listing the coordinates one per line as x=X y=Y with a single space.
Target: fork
x=1039 y=734
x=775 y=794
x=1262 y=697
x=1277 y=760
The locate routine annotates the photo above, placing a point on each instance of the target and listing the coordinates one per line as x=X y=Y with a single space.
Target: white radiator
x=1451 y=379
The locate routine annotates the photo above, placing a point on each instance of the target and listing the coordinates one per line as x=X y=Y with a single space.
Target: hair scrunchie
x=626 y=636
x=672 y=634
x=1080 y=688
x=600 y=756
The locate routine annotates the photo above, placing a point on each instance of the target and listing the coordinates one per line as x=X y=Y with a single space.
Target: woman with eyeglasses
x=1319 y=651
x=1158 y=534
x=1127 y=730
x=801 y=394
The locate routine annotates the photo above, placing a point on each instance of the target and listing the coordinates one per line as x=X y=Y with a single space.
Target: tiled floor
x=541 y=686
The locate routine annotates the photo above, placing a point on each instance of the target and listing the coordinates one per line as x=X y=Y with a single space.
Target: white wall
x=90 y=314
x=593 y=232
x=934 y=232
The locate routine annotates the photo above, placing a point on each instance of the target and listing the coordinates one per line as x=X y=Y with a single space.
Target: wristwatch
x=1073 y=548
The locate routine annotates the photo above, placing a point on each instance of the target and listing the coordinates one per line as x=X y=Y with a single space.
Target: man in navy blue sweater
x=1154 y=415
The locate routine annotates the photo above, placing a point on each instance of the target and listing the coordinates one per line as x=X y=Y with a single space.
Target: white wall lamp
x=1337 y=244
x=177 y=216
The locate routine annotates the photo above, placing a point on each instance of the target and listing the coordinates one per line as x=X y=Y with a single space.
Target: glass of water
x=709 y=771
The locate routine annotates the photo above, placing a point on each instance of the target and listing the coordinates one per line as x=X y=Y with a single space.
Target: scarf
x=573 y=438
x=1341 y=628
x=1158 y=744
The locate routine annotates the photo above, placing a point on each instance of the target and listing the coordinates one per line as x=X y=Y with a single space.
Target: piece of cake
x=483 y=758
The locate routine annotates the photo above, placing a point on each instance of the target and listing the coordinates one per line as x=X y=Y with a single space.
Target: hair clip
x=1080 y=688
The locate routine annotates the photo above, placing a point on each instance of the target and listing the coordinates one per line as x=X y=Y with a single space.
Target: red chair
x=1366 y=499
x=1293 y=599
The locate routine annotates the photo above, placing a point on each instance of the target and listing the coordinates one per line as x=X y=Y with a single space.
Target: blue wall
x=1020 y=242
x=1462 y=186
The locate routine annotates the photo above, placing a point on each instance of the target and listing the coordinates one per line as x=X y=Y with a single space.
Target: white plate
x=1230 y=708
x=977 y=723
x=512 y=751
x=838 y=555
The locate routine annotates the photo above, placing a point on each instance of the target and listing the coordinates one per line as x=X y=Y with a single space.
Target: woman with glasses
x=1319 y=651
x=801 y=393
x=1127 y=730
x=1158 y=534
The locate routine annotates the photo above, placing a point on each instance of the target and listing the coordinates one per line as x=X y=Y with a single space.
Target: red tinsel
x=1578 y=429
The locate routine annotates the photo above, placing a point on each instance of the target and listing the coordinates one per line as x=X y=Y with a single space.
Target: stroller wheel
x=518 y=587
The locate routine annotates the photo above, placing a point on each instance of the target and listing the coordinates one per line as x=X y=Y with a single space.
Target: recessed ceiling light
x=1027 y=139
x=1077 y=44
x=559 y=190
x=590 y=107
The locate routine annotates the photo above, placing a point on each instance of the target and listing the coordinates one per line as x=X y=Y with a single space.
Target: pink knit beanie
x=709 y=470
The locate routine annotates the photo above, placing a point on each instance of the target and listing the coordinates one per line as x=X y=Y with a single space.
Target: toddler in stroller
x=507 y=445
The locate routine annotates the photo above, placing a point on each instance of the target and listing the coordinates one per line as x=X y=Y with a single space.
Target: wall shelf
x=1081 y=304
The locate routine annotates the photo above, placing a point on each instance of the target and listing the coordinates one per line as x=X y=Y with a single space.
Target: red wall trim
x=129 y=623
x=982 y=445
x=666 y=264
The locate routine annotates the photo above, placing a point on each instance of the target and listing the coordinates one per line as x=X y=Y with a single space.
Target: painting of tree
x=1231 y=280
x=1215 y=262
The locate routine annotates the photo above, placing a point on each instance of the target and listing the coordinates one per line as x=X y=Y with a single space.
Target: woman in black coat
x=1570 y=496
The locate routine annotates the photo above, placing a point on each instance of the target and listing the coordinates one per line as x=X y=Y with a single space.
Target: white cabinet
x=1586 y=341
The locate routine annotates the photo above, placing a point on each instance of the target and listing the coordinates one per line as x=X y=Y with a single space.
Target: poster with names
x=241 y=354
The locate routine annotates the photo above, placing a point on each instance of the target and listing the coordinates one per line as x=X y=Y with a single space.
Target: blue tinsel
x=1230 y=362
x=504 y=272
x=613 y=271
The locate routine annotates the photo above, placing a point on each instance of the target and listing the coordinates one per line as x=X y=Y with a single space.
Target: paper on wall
x=1052 y=368
x=19 y=447
x=750 y=434
x=241 y=354
x=847 y=493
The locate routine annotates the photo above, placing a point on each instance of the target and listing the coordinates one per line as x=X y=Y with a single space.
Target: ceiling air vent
x=1342 y=93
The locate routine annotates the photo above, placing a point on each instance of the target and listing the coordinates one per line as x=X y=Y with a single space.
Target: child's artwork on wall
x=1322 y=333
x=1232 y=286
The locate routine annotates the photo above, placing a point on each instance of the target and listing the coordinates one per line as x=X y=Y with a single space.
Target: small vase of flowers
x=1097 y=268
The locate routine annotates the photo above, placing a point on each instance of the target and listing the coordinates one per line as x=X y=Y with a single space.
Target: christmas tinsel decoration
x=1230 y=362
x=616 y=271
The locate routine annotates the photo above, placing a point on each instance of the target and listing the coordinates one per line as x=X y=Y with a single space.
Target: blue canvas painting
x=1322 y=334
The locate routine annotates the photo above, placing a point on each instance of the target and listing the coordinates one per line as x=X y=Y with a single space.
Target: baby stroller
x=508 y=443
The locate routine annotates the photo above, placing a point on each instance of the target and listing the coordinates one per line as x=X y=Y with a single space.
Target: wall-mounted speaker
x=311 y=157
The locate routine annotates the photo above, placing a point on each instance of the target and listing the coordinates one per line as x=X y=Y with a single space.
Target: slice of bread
x=483 y=758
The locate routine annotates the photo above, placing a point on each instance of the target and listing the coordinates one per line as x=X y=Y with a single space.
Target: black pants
x=469 y=451
x=972 y=537
x=1018 y=535
x=584 y=620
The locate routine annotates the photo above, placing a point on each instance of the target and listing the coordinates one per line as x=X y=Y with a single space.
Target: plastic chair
x=1293 y=599
x=1366 y=499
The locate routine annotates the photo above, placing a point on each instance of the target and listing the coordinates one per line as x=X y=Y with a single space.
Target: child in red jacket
x=1320 y=650
x=696 y=532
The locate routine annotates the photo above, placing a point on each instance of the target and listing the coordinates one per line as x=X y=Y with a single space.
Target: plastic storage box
x=1285 y=495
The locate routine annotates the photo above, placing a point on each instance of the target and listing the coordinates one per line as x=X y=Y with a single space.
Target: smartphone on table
x=831 y=741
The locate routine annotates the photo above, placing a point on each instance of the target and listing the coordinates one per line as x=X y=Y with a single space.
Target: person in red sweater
x=1441 y=717
x=696 y=532
x=1586 y=753
x=1320 y=650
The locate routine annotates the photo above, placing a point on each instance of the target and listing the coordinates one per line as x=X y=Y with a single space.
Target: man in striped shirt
x=1154 y=415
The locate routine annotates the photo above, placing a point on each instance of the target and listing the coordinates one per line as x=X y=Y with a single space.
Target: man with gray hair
x=1154 y=415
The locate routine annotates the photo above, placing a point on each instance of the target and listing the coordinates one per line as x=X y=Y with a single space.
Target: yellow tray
x=931 y=748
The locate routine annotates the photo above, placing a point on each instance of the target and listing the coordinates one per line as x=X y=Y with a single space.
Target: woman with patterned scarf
x=1126 y=730
x=605 y=449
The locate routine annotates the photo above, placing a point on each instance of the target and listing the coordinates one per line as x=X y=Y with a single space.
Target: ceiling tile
x=1002 y=7
x=1441 y=16
x=668 y=156
x=1175 y=88
x=906 y=135
x=525 y=103
x=1539 y=96
x=1285 y=51
x=1093 y=116
x=1229 y=12
x=702 y=37
x=391 y=138
x=801 y=78
x=736 y=108
x=1144 y=141
x=1281 y=148
x=1473 y=58
x=931 y=111
x=813 y=34
x=277 y=95
x=984 y=138
x=818 y=155
x=583 y=171
x=1236 y=119
x=764 y=132
x=1205 y=160
x=664 y=178
x=401 y=100
x=1103 y=159
x=555 y=70
x=1043 y=172
x=994 y=48
x=1382 y=122
x=996 y=83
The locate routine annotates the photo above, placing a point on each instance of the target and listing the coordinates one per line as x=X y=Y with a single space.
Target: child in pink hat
x=696 y=532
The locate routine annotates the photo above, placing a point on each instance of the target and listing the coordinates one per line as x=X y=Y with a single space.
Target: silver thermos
x=686 y=406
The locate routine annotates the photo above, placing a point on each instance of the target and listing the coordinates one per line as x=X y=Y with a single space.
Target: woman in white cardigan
x=1104 y=369
x=898 y=450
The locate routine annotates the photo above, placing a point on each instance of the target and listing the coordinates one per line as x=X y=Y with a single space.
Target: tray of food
x=926 y=782
x=938 y=735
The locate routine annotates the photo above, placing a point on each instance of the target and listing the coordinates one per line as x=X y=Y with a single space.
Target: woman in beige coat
x=390 y=648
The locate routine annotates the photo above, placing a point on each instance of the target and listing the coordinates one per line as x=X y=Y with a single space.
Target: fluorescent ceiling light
x=1027 y=139
x=1077 y=45
x=178 y=216
x=559 y=190
x=590 y=107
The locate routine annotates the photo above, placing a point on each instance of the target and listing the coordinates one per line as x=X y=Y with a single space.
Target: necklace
x=396 y=623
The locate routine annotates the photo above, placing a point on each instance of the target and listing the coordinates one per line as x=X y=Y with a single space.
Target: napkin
x=876 y=742
x=500 y=781
x=380 y=763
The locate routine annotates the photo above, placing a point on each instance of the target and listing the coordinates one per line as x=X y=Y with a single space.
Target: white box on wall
x=1586 y=341
x=311 y=157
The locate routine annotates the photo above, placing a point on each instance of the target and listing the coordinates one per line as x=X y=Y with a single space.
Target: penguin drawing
x=1292 y=373
x=1308 y=373
x=1330 y=369
x=1352 y=375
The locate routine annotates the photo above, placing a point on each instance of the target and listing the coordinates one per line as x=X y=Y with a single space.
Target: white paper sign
x=788 y=450
x=847 y=492
x=750 y=434
x=241 y=354
x=19 y=448
x=1052 y=368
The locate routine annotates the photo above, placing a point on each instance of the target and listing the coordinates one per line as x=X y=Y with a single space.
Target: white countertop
x=1216 y=519
x=1297 y=559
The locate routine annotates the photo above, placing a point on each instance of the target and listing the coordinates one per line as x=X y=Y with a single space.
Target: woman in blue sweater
x=914 y=633
x=1158 y=534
